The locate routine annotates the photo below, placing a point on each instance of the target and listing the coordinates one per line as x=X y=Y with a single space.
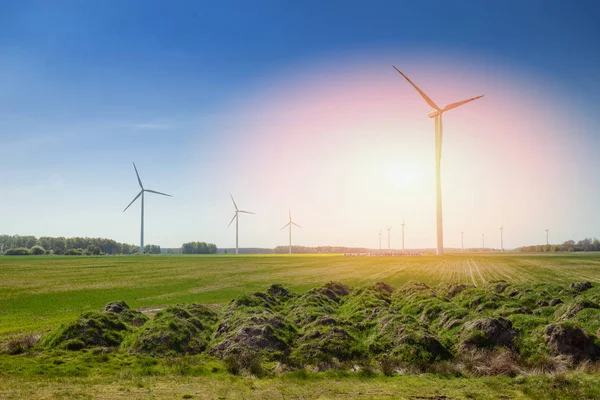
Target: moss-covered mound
x=412 y=326
x=184 y=328
x=106 y=328
x=254 y=323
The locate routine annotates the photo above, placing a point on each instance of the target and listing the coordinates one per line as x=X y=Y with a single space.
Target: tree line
x=198 y=248
x=587 y=244
x=68 y=246
x=320 y=249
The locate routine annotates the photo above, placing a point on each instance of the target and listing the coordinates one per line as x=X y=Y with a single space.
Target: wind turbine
x=482 y=242
x=403 y=225
x=290 y=223
x=547 y=243
x=501 y=238
x=389 y=229
x=235 y=216
x=437 y=114
x=141 y=193
x=379 y=240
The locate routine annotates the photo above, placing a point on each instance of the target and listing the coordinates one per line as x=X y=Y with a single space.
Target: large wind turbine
x=437 y=114
x=141 y=193
x=235 y=216
x=290 y=223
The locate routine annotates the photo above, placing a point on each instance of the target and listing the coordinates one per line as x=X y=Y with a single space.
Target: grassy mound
x=106 y=328
x=183 y=329
x=498 y=328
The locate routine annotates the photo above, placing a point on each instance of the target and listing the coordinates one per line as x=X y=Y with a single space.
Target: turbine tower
x=235 y=216
x=379 y=240
x=141 y=193
x=501 y=238
x=482 y=242
x=290 y=223
x=403 y=225
x=462 y=241
x=389 y=228
x=437 y=114
x=547 y=243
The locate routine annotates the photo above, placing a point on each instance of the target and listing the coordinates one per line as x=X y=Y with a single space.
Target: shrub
x=93 y=250
x=74 y=252
x=18 y=251
x=38 y=251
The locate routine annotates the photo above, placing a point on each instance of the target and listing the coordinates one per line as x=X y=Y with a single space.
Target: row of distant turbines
x=235 y=215
x=436 y=114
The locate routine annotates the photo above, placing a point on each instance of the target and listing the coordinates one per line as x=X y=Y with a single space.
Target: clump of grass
x=182 y=329
x=21 y=343
x=96 y=328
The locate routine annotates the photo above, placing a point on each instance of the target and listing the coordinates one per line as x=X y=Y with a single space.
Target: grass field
x=39 y=293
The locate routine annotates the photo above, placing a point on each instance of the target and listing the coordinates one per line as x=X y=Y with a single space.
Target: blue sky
x=88 y=87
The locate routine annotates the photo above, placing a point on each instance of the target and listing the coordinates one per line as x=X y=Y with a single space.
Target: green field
x=39 y=293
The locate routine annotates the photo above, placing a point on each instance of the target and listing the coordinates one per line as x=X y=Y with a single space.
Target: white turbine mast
x=141 y=193
x=403 y=226
x=289 y=224
x=437 y=114
x=235 y=216
x=389 y=229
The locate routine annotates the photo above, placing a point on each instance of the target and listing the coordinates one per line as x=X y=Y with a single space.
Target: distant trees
x=198 y=248
x=587 y=244
x=151 y=249
x=37 y=250
x=18 y=251
x=319 y=249
x=60 y=245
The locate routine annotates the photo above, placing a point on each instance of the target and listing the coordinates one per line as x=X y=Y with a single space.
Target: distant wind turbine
x=547 y=242
x=501 y=238
x=290 y=223
x=389 y=229
x=379 y=240
x=141 y=193
x=482 y=241
x=437 y=114
x=403 y=225
x=235 y=216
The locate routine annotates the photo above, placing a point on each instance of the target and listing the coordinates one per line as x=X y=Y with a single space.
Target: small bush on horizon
x=38 y=250
x=17 y=251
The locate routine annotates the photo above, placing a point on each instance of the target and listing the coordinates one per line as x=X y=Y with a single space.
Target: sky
x=296 y=106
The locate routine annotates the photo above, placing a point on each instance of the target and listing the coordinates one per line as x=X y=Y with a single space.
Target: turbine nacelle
x=434 y=114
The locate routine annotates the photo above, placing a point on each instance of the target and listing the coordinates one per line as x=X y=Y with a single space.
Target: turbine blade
x=134 y=199
x=460 y=103
x=235 y=205
x=422 y=93
x=296 y=225
x=246 y=212
x=154 y=191
x=234 y=215
x=285 y=226
x=138 y=176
